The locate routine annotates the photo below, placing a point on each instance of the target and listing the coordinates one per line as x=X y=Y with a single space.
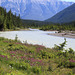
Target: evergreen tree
x=5 y=19
x=8 y=20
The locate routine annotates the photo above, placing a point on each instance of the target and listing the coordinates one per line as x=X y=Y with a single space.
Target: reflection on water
x=38 y=37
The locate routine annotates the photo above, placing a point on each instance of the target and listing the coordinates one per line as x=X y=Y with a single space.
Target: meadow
x=18 y=58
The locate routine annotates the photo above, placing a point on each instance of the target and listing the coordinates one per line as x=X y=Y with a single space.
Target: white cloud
x=69 y=0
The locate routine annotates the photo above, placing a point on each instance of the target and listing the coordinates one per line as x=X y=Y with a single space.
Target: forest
x=64 y=26
x=8 y=20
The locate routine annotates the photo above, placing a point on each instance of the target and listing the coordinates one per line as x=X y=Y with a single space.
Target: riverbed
x=35 y=36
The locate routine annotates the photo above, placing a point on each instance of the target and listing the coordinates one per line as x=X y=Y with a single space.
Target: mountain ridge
x=35 y=9
x=64 y=16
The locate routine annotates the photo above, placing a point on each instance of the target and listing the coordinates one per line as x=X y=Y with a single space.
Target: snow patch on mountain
x=35 y=9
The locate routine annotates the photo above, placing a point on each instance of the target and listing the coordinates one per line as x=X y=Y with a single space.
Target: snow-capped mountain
x=35 y=9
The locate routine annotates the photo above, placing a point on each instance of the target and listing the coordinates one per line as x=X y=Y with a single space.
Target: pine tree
x=4 y=25
x=10 y=19
x=5 y=19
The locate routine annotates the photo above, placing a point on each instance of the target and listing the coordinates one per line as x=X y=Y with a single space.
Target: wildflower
x=72 y=60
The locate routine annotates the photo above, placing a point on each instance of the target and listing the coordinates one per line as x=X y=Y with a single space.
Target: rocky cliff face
x=35 y=9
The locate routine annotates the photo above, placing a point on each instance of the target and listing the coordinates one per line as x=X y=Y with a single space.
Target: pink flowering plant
x=18 y=58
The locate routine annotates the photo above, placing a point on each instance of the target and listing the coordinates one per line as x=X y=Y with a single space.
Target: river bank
x=66 y=34
x=38 y=37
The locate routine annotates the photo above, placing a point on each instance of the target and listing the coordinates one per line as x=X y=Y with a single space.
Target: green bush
x=36 y=70
x=20 y=65
x=73 y=70
x=71 y=64
x=50 y=68
x=1 y=38
x=71 y=51
x=70 y=73
x=16 y=47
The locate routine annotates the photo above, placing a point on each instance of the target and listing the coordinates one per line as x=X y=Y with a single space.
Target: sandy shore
x=63 y=34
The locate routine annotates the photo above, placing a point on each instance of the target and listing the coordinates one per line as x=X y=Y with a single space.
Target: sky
x=69 y=0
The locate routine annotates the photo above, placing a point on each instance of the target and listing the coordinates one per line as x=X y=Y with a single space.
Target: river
x=35 y=36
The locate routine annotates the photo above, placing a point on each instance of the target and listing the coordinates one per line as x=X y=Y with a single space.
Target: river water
x=35 y=36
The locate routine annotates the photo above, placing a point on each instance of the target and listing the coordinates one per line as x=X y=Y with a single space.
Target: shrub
x=61 y=46
x=1 y=38
x=36 y=70
x=31 y=51
x=50 y=68
x=70 y=73
x=44 y=54
x=71 y=64
x=73 y=70
x=20 y=65
x=16 y=38
x=71 y=51
x=64 y=63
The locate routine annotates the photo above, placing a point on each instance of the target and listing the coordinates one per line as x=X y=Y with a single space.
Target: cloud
x=69 y=0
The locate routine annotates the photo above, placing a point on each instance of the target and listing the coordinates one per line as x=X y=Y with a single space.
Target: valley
x=37 y=37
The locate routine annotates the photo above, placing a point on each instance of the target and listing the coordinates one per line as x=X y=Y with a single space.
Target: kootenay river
x=35 y=36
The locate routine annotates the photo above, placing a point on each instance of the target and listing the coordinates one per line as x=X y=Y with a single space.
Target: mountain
x=35 y=9
x=64 y=16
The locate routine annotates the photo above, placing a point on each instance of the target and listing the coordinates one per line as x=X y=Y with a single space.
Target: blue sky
x=69 y=0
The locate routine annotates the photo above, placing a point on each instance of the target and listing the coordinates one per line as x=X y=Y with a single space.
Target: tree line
x=65 y=26
x=14 y=22
x=8 y=20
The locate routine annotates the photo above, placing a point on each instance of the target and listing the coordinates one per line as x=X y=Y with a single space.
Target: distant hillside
x=65 y=16
x=34 y=23
x=35 y=9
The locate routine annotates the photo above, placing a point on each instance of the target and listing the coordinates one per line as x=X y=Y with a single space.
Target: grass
x=18 y=58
